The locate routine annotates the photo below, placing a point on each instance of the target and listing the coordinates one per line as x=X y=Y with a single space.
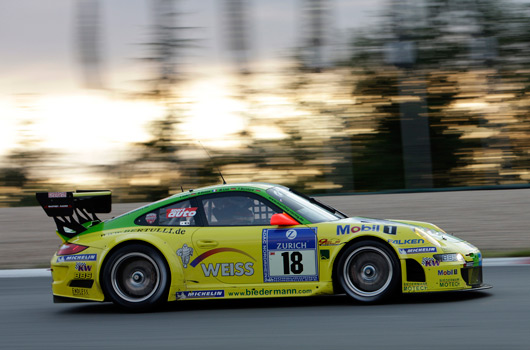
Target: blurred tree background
x=436 y=96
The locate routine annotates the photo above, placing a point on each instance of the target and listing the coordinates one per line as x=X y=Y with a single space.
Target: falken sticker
x=80 y=257
x=405 y=241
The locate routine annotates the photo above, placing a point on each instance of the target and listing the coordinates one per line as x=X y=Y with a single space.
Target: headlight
x=423 y=234
x=449 y=257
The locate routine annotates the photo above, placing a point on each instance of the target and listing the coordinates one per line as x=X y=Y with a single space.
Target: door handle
x=207 y=244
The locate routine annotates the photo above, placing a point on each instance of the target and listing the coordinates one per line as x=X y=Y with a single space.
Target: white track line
x=25 y=273
x=506 y=261
x=16 y=273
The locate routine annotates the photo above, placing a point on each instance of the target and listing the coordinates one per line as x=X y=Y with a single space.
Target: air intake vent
x=415 y=272
x=472 y=275
x=81 y=283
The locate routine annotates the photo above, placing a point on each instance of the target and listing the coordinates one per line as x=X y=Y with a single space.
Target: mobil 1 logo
x=290 y=255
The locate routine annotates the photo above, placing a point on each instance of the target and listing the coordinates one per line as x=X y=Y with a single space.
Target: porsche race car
x=248 y=240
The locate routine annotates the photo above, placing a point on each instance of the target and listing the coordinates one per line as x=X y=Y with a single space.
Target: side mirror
x=283 y=220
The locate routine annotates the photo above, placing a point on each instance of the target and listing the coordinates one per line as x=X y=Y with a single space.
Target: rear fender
x=176 y=273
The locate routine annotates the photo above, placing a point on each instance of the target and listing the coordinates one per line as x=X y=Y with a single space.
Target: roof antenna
x=211 y=159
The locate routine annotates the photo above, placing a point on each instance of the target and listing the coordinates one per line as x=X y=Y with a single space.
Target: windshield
x=301 y=206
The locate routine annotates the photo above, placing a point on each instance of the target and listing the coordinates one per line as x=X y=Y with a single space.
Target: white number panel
x=290 y=255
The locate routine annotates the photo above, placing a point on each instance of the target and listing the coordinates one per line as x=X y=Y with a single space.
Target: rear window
x=175 y=214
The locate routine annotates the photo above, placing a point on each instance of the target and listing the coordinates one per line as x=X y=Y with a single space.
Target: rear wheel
x=136 y=277
x=368 y=271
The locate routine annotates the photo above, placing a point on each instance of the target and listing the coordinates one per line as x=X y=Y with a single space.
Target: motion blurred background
x=326 y=96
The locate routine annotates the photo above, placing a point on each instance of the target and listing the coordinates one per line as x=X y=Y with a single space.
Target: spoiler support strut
x=70 y=210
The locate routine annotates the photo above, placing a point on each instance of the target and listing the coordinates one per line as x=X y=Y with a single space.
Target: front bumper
x=425 y=274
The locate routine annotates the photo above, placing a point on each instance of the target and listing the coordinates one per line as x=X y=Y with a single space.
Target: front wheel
x=135 y=277
x=368 y=271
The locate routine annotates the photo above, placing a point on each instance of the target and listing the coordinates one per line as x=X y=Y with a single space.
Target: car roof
x=246 y=186
x=227 y=188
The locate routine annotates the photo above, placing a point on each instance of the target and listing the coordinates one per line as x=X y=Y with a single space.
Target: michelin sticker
x=201 y=294
x=81 y=257
x=419 y=250
x=185 y=252
x=290 y=255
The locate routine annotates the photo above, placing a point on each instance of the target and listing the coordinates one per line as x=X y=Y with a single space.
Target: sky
x=41 y=77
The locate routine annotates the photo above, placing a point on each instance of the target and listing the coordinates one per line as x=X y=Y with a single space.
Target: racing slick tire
x=369 y=272
x=136 y=278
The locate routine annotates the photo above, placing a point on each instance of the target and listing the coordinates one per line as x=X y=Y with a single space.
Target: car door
x=228 y=246
x=237 y=245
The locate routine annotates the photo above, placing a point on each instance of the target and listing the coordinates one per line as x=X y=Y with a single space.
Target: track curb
x=21 y=273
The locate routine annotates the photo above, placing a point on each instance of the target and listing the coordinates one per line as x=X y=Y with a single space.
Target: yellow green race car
x=245 y=241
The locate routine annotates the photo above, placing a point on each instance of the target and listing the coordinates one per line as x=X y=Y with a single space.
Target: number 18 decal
x=290 y=255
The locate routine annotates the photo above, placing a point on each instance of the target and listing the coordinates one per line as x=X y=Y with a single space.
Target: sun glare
x=97 y=129
x=7 y=127
x=86 y=126
x=95 y=122
x=213 y=117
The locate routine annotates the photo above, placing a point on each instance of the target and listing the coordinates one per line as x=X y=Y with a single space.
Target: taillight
x=70 y=248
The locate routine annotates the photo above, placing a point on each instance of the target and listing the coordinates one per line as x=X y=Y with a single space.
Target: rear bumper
x=76 y=276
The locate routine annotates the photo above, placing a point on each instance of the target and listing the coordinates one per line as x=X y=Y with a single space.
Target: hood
x=431 y=233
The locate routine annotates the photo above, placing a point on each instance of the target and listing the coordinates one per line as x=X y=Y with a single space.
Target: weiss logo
x=181 y=212
x=228 y=269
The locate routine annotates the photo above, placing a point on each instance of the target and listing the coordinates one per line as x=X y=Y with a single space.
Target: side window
x=175 y=214
x=237 y=210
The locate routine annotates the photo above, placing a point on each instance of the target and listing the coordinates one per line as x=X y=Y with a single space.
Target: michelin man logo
x=185 y=252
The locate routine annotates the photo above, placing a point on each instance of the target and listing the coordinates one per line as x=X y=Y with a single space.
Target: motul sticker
x=150 y=218
x=181 y=212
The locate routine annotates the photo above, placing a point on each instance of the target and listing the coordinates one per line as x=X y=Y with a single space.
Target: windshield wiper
x=320 y=204
x=327 y=207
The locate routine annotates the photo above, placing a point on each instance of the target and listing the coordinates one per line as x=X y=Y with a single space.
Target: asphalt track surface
x=497 y=318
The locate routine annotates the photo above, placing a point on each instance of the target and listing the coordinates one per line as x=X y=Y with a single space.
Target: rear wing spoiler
x=70 y=210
